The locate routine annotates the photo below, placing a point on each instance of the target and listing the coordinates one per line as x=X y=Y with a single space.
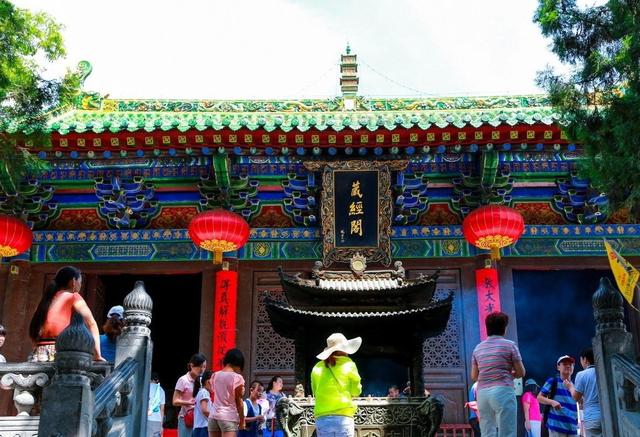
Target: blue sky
x=241 y=49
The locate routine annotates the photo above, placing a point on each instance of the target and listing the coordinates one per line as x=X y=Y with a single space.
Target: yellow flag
x=626 y=275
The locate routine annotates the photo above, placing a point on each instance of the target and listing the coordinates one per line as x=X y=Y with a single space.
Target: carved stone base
x=19 y=426
x=375 y=417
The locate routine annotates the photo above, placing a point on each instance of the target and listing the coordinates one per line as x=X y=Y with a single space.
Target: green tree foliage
x=25 y=95
x=599 y=98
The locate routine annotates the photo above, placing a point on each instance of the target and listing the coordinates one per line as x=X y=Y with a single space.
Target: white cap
x=116 y=311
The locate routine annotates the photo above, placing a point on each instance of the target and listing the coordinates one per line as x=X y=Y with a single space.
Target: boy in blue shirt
x=562 y=418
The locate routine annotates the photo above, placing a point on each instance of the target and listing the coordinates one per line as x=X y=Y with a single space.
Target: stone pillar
x=67 y=404
x=135 y=342
x=611 y=338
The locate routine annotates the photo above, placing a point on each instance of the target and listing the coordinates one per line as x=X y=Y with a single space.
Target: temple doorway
x=175 y=323
x=568 y=325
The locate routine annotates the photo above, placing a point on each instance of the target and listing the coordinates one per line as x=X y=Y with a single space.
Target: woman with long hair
x=274 y=394
x=53 y=314
x=335 y=381
x=183 y=395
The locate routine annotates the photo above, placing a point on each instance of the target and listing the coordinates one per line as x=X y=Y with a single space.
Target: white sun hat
x=338 y=342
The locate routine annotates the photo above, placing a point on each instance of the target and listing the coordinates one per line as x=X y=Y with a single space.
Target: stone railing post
x=611 y=339
x=135 y=342
x=67 y=403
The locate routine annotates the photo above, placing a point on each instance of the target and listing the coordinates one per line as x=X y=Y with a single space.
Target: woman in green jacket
x=334 y=382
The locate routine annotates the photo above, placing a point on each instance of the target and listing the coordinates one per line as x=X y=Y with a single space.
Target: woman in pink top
x=53 y=315
x=531 y=408
x=227 y=413
x=183 y=395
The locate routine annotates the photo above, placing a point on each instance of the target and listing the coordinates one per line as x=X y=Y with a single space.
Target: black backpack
x=544 y=431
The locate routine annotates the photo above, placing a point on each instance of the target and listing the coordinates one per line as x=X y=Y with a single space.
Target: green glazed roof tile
x=371 y=114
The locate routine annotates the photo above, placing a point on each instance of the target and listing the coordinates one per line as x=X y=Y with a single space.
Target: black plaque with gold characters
x=356 y=209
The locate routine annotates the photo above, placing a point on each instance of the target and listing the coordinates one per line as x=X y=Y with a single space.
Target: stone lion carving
x=288 y=413
x=430 y=415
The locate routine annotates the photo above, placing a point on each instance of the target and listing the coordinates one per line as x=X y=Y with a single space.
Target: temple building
x=126 y=177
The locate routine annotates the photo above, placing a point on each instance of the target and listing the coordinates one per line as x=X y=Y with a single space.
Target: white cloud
x=277 y=48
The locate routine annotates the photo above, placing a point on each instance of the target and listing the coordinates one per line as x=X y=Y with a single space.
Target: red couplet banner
x=488 y=289
x=224 y=315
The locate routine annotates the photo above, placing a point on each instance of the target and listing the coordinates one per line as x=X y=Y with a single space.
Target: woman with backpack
x=183 y=394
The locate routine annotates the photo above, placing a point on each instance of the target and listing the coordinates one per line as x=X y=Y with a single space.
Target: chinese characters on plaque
x=488 y=289
x=356 y=208
x=224 y=315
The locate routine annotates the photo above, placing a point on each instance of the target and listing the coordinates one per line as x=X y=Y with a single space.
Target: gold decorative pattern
x=218 y=246
x=6 y=251
x=382 y=253
x=490 y=241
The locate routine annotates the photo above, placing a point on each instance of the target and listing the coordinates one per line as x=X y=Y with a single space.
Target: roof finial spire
x=349 y=74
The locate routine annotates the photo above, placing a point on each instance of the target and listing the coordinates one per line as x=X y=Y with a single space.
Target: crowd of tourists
x=551 y=410
x=211 y=403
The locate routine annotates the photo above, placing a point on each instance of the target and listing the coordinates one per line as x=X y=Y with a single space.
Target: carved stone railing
x=617 y=372
x=112 y=397
x=627 y=392
x=404 y=417
x=84 y=400
x=27 y=381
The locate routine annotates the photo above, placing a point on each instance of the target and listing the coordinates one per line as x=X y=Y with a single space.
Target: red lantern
x=493 y=227
x=15 y=236
x=219 y=231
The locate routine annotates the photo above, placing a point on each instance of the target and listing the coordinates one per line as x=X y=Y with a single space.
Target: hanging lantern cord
x=495 y=253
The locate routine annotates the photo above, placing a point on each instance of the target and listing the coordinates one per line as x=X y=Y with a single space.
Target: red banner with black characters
x=488 y=289
x=224 y=315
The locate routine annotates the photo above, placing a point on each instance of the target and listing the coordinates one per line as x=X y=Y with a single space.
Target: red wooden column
x=488 y=291
x=224 y=315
